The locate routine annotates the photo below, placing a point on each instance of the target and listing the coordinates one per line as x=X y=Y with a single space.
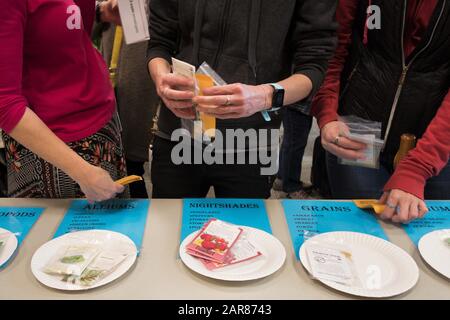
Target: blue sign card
x=19 y=220
x=244 y=212
x=437 y=218
x=120 y=215
x=308 y=218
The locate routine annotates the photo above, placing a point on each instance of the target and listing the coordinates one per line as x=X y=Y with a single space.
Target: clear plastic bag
x=73 y=259
x=369 y=133
x=104 y=264
x=203 y=127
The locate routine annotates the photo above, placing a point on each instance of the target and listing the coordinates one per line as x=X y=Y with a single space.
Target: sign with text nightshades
x=124 y=216
x=308 y=218
x=437 y=218
x=244 y=212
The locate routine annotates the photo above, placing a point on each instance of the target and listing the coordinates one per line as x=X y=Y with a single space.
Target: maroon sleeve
x=429 y=157
x=12 y=25
x=325 y=103
x=87 y=8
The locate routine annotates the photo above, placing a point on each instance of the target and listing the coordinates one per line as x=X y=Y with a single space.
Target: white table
x=160 y=274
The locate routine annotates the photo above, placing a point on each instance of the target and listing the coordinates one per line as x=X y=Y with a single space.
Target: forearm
x=326 y=101
x=428 y=158
x=158 y=67
x=297 y=87
x=32 y=133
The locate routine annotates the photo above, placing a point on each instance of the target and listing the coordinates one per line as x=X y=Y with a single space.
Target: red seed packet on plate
x=196 y=254
x=215 y=240
x=242 y=251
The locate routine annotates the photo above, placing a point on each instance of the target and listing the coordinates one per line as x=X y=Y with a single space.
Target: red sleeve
x=429 y=157
x=325 y=103
x=12 y=24
x=87 y=8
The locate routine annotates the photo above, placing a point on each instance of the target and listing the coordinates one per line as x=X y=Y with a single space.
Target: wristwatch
x=277 y=100
x=277 y=97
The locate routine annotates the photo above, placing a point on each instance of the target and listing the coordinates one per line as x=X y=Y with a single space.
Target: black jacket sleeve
x=314 y=39
x=163 y=28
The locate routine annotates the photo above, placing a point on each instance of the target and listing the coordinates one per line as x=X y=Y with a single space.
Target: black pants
x=297 y=126
x=194 y=180
x=137 y=189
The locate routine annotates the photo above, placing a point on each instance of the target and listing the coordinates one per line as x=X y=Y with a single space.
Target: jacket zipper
x=406 y=67
x=349 y=79
x=223 y=28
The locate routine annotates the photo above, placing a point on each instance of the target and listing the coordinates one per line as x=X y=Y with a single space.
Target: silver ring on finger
x=336 y=141
x=228 y=101
x=390 y=205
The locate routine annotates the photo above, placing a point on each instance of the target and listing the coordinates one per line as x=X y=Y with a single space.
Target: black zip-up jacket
x=245 y=41
x=379 y=83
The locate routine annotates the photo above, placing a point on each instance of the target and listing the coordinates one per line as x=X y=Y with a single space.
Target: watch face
x=278 y=98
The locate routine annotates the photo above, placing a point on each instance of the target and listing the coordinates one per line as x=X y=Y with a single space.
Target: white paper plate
x=8 y=250
x=435 y=252
x=43 y=255
x=384 y=270
x=272 y=259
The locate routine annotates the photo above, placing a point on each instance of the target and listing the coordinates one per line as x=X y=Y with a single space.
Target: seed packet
x=72 y=260
x=197 y=254
x=242 y=251
x=371 y=153
x=215 y=240
x=330 y=264
x=104 y=264
x=367 y=132
x=370 y=204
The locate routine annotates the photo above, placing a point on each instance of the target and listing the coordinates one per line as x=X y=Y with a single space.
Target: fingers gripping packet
x=203 y=127
x=367 y=132
x=206 y=77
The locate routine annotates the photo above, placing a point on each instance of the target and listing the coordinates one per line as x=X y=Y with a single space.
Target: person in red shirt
x=57 y=106
x=399 y=75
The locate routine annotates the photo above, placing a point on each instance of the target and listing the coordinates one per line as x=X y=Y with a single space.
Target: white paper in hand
x=133 y=14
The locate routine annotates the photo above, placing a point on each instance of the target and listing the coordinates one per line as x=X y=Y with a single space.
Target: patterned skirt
x=32 y=177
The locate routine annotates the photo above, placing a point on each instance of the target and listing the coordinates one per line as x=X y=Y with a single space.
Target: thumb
x=384 y=198
x=422 y=209
x=119 y=188
x=343 y=129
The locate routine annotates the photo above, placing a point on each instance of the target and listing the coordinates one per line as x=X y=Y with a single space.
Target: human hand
x=402 y=207
x=334 y=140
x=110 y=12
x=234 y=100
x=97 y=185
x=176 y=92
